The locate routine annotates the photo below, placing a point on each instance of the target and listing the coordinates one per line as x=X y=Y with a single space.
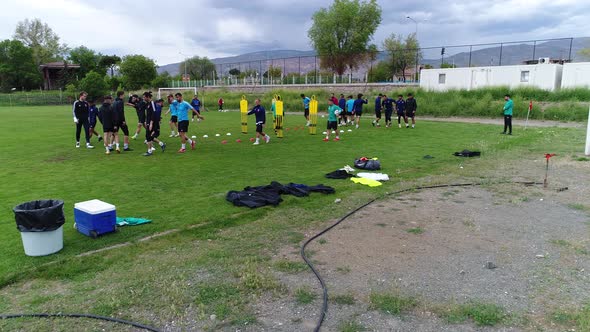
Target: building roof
x=59 y=65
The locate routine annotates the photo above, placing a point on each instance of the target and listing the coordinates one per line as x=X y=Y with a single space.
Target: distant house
x=54 y=72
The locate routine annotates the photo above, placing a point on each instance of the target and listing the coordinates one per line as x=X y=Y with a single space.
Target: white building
x=576 y=75
x=544 y=76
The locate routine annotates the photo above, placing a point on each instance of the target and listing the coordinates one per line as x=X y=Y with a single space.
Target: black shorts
x=359 y=114
x=141 y=117
x=410 y=115
x=183 y=126
x=108 y=130
x=174 y=119
x=125 y=129
x=92 y=124
x=378 y=114
x=401 y=113
x=306 y=112
x=259 y=127
x=332 y=125
x=155 y=133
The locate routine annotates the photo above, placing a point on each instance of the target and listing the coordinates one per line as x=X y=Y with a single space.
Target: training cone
x=325 y=133
x=224 y=142
x=287 y=129
x=341 y=131
x=205 y=136
x=217 y=135
x=228 y=134
x=252 y=139
x=238 y=141
x=350 y=130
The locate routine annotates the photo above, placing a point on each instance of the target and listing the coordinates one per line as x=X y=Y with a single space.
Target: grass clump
x=481 y=313
x=578 y=320
x=351 y=326
x=304 y=296
x=343 y=299
x=416 y=230
x=290 y=266
x=391 y=303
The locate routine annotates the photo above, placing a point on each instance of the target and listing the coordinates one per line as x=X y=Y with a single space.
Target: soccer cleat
x=77 y=144
x=357 y=126
x=147 y=154
x=107 y=152
x=326 y=139
x=127 y=149
x=267 y=138
x=88 y=146
x=256 y=143
x=407 y=126
x=336 y=139
x=193 y=143
x=99 y=139
x=134 y=136
x=399 y=125
x=373 y=123
x=171 y=135
x=182 y=151
x=176 y=135
x=163 y=147
x=118 y=150
x=193 y=120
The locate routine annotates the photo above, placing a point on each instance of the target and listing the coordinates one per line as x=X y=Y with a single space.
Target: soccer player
x=153 y=127
x=139 y=106
x=388 y=105
x=334 y=99
x=306 y=102
x=119 y=108
x=411 y=108
x=260 y=113
x=196 y=104
x=349 y=109
x=508 y=111
x=378 y=108
x=92 y=116
x=80 y=113
x=220 y=102
x=173 y=116
x=333 y=112
x=109 y=125
x=400 y=106
x=358 y=108
x=182 y=108
x=342 y=105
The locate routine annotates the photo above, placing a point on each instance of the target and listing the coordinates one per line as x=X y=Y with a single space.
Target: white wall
x=544 y=76
x=576 y=75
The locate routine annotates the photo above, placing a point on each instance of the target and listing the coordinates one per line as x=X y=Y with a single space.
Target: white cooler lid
x=94 y=206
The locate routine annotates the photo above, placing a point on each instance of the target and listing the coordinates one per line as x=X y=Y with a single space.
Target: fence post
x=470 y=51
x=570 y=53
x=501 y=48
x=534 y=49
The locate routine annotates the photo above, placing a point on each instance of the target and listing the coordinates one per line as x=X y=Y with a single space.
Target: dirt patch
x=524 y=249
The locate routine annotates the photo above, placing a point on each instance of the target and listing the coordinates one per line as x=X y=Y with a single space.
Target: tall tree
x=403 y=54
x=199 y=68
x=341 y=33
x=88 y=60
x=17 y=67
x=138 y=71
x=41 y=39
x=95 y=85
x=110 y=62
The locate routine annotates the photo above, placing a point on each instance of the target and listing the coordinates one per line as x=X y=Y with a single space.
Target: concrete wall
x=544 y=76
x=576 y=75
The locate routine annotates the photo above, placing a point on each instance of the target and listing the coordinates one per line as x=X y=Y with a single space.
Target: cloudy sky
x=163 y=30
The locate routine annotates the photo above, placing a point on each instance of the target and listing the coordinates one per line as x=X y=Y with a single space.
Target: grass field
x=187 y=192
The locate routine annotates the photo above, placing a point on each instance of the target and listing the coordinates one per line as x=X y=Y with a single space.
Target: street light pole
x=415 y=35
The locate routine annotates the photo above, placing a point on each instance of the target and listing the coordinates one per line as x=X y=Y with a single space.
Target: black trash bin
x=41 y=226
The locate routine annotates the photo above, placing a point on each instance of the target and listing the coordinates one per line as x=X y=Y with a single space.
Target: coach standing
x=80 y=112
x=508 y=110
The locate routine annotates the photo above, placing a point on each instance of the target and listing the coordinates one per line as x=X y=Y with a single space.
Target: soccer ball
x=194 y=137
x=337 y=112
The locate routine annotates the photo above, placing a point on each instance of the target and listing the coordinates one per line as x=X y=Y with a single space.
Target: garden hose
x=90 y=316
x=317 y=274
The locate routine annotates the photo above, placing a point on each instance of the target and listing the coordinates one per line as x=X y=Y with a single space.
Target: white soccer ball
x=333 y=132
x=341 y=131
x=228 y=134
x=350 y=130
x=205 y=136
x=323 y=116
x=325 y=133
x=217 y=135
x=337 y=112
x=194 y=137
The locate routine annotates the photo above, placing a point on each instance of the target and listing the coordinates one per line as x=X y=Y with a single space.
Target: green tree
x=234 y=72
x=88 y=60
x=162 y=80
x=447 y=65
x=585 y=53
x=199 y=68
x=402 y=54
x=17 y=67
x=273 y=72
x=380 y=72
x=341 y=34
x=138 y=71
x=109 y=62
x=41 y=39
x=95 y=84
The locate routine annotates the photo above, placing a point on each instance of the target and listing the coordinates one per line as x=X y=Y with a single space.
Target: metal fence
x=35 y=98
x=307 y=69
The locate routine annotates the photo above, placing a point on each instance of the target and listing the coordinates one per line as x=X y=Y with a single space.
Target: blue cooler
x=94 y=218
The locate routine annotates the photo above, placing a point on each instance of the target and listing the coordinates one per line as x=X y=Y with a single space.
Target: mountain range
x=511 y=54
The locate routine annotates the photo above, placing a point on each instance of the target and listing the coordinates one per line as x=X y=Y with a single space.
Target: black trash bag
x=467 y=154
x=367 y=164
x=39 y=216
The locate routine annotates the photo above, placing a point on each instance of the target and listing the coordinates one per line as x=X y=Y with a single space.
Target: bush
x=94 y=84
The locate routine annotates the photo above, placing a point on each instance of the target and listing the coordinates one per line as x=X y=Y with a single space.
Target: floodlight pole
x=588 y=136
x=417 y=50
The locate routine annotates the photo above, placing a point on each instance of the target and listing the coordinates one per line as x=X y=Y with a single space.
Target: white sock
x=161 y=143
x=190 y=141
x=183 y=146
x=117 y=145
x=126 y=146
